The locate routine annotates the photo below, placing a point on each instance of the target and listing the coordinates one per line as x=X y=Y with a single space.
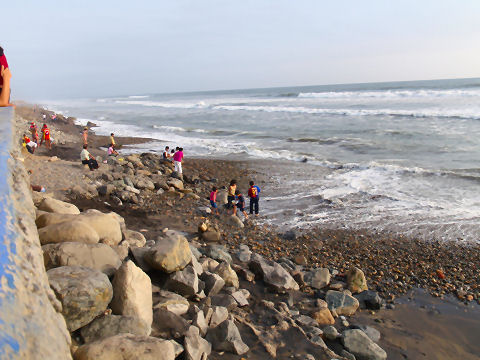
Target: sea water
x=399 y=156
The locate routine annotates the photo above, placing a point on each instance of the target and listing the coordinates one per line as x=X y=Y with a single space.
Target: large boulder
x=235 y=221
x=171 y=301
x=107 y=226
x=226 y=337
x=56 y=206
x=359 y=344
x=341 y=302
x=176 y=183
x=134 y=238
x=83 y=292
x=196 y=348
x=184 y=282
x=47 y=218
x=69 y=231
x=272 y=274
x=167 y=324
x=132 y=293
x=317 y=278
x=213 y=283
x=370 y=299
x=230 y=277
x=356 y=280
x=211 y=236
x=144 y=183
x=95 y=256
x=111 y=325
x=169 y=254
x=127 y=347
x=217 y=252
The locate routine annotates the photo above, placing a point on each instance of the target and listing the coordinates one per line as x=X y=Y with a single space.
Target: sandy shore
x=393 y=265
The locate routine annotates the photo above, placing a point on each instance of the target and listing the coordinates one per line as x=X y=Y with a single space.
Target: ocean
x=401 y=157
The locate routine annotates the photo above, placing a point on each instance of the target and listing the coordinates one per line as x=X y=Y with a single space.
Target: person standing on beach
x=46 y=137
x=241 y=203
x=177 y=160
x=213 y=200
x=88 y=159
x=231 y=197
x=85 y=136
x=112 y=140
x=254 y=195
x=5 y=70
x=34 y=131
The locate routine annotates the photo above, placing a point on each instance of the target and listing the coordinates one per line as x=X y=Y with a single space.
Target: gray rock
x=234 y=220
x=168 y=325
x=195 y=252
x=95 y=256
x=139 y=256
x=176 y=183
x=317 y=340
x=224 y=300
x=184 y=282
x=360 y=345
x=128 y=181
x=370 y=299
x=341 y=302
x=217 y=252
x=318 y=278
x=134 y=238
x=144 y=183
x=330 y=332
x=226 y=337
x=110 y=325
x=169 y=254
x=243 y=254
x=347 y=355
x=197 y=266
x=170 y=301
x=105 y=190
x=200 y=322
x=241 y=297
x=230 y=277
x=211 y=236
x=218 y=315
x=213 y=283
x=371 y=332
x=84 y=293
x=196 y=348
x=304 y=321
x=272 y=274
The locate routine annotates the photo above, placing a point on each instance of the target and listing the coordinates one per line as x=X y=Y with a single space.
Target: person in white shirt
x=88 y=159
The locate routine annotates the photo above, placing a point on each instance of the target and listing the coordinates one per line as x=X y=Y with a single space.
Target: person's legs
x=29 y=149
x=94 y=164
x=256 y=206
x=251 y=206
x=175 y=163
x=180 y=168
x=87 y=162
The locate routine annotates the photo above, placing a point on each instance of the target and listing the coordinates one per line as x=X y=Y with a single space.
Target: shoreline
x=335 y=249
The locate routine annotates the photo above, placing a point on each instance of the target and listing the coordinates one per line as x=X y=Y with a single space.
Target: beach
x=395 y=266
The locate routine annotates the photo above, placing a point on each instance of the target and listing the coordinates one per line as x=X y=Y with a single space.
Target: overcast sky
x=87 y=48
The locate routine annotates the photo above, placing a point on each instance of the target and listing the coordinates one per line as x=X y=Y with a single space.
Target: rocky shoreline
x=142 y=248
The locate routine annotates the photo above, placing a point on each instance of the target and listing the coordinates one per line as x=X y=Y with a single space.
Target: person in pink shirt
x=177 y=160
x=213 y=200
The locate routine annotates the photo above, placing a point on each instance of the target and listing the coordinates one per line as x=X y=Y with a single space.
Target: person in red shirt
x=46 y=136
x=4 y=63
x=5 y=76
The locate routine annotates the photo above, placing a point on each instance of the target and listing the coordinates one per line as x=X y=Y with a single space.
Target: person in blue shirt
x=241 y=203
x=254 y=195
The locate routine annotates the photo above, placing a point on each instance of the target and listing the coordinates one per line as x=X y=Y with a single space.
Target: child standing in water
x=213 y=200
x=231 y=196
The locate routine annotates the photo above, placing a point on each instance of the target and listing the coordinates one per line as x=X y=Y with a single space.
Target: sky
x=71 y=49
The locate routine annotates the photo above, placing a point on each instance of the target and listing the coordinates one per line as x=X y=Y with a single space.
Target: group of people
x=236 y=200
x=32 y=143
x=175 y=156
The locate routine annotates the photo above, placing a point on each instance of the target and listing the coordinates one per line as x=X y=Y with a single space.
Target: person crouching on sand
x=231 y=197
x=213 y=200
x=254 y=195
x=29 y=144
x=166 y=154
x=177 y=160
x=241 y=203
x=88 y=159
x=111 y=151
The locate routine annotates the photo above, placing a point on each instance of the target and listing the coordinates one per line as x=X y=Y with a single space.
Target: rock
x=202 y=227
x=330 y=332
x=211 y=236
x=139 y=256
x=234 y=220
x=371 y=332
x=95 y=256
x=217 y=252
x=219 y=315
x=111 y=325
x=241 y=297
x=360 y=345
x=290 y=235
x=200 y=322
x=318 y=278
x=356 y=281
x=184 y=282
x=209 y=264
x=370 y=299
x=177 y=348
x=132 y=293
x=222 y=197
x=243 y=254
x=197 y=266
x=176 y=183
x=323 y=317
x=196 y=348
x=168 y=325
x=224 y=300
x=228 y=275
x=347 y=355
x=127 y=347
x=197 y=254
x=134 y=238
x=121 y=250
x=272 y=274
x=107 y=226
x=300 y=260
x=83 y=292
x=245 y=274
x=56 y=206
x=45 y=218
x=305 y=321
x=169 y=254
x=226 y=337
x=144 y=183
x=70 y=231
x=341 y=303
x=105 y=190
x=172 y=302
x=213 y=283
x=132 y=189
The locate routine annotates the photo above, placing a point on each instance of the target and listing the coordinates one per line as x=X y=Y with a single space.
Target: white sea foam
x=392 y=94
x=139 y=96
x=172 y=105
